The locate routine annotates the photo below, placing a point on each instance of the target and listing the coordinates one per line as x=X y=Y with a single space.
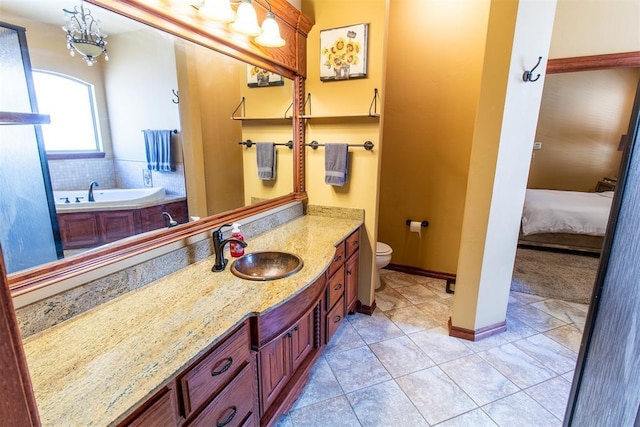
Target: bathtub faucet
x=91 y=185
x=172 y=222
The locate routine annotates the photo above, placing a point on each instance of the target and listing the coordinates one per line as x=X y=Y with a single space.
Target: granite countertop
x=95 y=368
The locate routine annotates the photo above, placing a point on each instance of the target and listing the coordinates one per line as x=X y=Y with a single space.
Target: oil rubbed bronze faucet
x=218 y=248
x=172 y=222
x=91 y=185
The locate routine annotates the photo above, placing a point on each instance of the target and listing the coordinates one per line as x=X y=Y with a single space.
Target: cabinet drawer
x=158 y=414
x=353 y=243
x=338 y=259
x=335 y=290
x=235 y=405
x=335 y=318
x=215 y=370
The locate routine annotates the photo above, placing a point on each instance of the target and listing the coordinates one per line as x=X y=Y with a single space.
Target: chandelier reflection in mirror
x=83 y=35
x=244 y=20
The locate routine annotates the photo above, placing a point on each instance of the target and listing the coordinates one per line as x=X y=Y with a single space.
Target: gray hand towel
x=336 y=161
x=266 y=156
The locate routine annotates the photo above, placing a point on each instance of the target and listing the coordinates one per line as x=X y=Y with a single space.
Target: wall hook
x=527 y=74
x=175 y=93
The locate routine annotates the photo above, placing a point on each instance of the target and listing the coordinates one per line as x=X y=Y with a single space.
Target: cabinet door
x=351 y=279
x=116 y=225
x=274 y=362
x=78 y=230
x=302 y=339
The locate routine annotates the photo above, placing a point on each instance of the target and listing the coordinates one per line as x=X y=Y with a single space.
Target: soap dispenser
x=235 y=248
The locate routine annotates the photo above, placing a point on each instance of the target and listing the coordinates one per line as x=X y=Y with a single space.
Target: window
x=70 y=103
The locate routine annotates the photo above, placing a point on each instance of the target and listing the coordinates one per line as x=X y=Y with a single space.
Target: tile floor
x=399 y=367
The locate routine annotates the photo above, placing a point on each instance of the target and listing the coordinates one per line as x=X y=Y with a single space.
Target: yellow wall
x=593 y=27
x=209 y=92
x=433 y=86
x=347 y=97
x=266 y=102
x=582 y=117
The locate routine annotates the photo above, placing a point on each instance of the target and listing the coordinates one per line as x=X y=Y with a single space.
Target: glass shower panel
x=27 y=226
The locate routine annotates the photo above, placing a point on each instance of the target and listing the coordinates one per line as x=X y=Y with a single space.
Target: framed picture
x=343 y=53
x=259 y=77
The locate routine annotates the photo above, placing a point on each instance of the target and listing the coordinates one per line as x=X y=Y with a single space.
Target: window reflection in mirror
x=155 y=81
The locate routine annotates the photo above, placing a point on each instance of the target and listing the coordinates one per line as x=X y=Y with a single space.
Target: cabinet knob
x=337 y=287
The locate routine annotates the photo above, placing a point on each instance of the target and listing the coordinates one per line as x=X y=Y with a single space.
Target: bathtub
x=116 y=198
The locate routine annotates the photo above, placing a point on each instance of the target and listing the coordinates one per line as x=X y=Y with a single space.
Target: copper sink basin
x=263 y=266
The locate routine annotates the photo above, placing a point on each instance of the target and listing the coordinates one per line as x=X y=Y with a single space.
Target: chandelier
x=83 y=35
x=244 y=20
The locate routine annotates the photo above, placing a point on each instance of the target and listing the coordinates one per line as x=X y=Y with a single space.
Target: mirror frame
x=289 y=61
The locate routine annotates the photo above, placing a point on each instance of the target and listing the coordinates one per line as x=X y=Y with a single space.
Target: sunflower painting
x=259 y=77
x=343 y=53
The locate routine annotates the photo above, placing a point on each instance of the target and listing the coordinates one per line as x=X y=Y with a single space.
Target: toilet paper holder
x=424 y=224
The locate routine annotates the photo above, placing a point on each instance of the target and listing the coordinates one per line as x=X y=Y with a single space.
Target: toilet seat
x=383 y=249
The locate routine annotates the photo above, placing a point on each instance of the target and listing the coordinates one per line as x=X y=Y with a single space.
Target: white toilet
x=383 y=258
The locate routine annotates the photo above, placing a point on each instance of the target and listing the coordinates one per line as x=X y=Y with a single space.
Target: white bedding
x=574 y=212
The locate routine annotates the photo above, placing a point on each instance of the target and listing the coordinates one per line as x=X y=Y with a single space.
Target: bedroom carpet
x=550 y=274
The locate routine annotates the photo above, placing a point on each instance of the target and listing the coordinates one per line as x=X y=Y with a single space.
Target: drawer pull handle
x=338 y=258
x=234 y=411
x=337 y=319
x=224 y=369
x=338 y=287
x=295 y=328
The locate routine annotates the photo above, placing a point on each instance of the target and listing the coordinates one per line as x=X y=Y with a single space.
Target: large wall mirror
x=205 y=101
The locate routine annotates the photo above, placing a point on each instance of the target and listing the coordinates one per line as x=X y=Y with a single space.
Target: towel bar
x=368 y=145
x=249 y=143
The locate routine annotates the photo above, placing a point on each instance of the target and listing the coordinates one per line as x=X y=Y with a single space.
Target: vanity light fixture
x=83 y=35
x=245 y=20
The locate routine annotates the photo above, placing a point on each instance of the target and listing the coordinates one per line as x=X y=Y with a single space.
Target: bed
x=570 y=220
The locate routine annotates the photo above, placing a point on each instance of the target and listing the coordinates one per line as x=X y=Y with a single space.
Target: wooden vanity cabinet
x=342 y=289
x=288 y=340
x=218 y=389
x=351 y=271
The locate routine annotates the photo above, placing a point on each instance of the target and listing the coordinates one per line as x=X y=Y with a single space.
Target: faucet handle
x=219 y=229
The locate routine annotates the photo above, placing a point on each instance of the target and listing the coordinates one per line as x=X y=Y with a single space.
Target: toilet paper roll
x=416 y=227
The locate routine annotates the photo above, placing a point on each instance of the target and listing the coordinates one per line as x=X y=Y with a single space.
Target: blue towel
x=336 y=161
x=158 y=147
x=266 y=158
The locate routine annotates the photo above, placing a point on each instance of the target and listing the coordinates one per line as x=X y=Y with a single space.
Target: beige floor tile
x=481 y=381
x=437 y=311
x=332 y=412
x=401 y=356
x=520 y=410
x=411 y=319
x=522 y=369
x=548 y=352
x=475 y=418
x=439 y=346
x=552 y=395
x=322 y=385
x=436 y=396
x=568 y=335
x=357 y=368
x=389 y=299
x=417 y=293
x=385 y=404
x=536 y=319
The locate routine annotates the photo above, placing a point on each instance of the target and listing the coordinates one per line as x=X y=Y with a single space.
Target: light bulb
x=247 y=22
x=217 y=10
x=270 y=36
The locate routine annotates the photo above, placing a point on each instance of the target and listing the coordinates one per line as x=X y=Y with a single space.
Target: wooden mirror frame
x=288 y=61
